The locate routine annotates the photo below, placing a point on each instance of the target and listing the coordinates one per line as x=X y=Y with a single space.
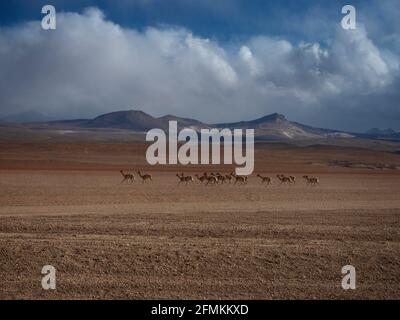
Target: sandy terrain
x=62 y=204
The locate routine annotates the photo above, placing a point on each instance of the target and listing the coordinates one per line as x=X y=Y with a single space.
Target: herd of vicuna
x=218 y=178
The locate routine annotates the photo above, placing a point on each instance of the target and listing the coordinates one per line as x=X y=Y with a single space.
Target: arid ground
x=62 y=204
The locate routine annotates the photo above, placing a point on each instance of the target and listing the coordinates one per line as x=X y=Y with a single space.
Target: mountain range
x=271 y=127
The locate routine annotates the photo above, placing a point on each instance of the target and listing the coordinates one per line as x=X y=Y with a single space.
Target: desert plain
x=62 y=204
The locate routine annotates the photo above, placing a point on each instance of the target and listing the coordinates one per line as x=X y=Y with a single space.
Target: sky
x=216 y=61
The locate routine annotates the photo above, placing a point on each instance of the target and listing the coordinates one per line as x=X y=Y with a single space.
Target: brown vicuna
x=240 y=179
x=311 y=180
x=186 y=179
x=145 y=177
x=210 y=179
x=284 y=179
x=127 y=177
x=266 y=180
x=202 y=178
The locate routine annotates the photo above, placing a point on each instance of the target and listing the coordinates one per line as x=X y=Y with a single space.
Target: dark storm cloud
x=91 y=65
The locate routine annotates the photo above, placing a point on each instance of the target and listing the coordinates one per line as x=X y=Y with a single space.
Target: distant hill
x=382 y=134
x=377 y=131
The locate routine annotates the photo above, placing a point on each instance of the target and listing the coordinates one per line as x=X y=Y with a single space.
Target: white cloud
x=90 y=65
x=356 y=56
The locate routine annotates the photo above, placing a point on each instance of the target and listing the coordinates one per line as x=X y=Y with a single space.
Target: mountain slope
x=382 y=134
x=184 y=122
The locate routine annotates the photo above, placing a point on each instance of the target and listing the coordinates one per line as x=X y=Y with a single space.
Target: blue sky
x=222 y=19
x=222 y=60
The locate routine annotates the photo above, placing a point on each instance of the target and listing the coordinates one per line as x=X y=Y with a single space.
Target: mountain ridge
x=273 y=126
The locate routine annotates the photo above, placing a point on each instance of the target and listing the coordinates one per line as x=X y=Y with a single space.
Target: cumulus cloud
x=90 y=65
